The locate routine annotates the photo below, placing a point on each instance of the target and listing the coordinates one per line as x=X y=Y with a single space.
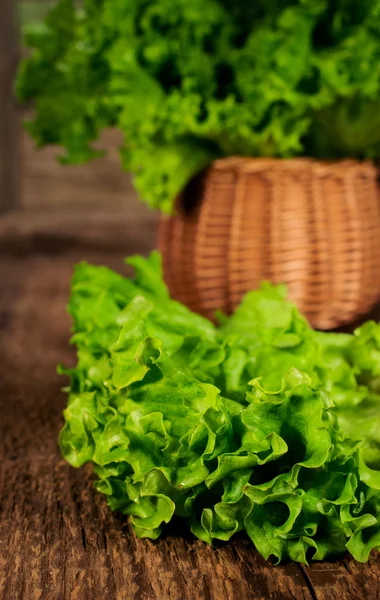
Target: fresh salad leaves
x=260 y=425
x=187 y=82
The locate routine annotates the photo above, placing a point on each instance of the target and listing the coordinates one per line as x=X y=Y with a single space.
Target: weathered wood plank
x=9 y=118
x=344 y=579
x=63 y=542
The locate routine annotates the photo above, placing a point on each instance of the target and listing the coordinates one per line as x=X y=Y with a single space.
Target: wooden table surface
x=58 y=540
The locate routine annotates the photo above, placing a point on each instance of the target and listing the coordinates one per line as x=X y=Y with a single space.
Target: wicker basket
x=314 y=226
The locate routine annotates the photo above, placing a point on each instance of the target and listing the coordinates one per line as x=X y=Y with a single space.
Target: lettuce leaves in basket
x=260 y=425
x=189 y=81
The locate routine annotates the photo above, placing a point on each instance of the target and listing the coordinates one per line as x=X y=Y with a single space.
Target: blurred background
x=39 y=199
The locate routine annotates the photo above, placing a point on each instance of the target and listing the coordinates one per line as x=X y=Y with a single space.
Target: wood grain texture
x=58 y=539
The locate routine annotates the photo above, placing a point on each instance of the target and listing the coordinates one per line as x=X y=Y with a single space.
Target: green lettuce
x=186 y=82
x=260 y=425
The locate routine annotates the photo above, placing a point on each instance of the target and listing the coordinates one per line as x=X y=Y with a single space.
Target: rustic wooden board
x=58 y=540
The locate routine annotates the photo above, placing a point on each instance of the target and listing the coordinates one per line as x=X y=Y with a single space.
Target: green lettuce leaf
x=259 y=425
x=186 y=82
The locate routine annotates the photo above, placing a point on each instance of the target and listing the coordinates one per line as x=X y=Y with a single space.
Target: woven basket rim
x=318 y=167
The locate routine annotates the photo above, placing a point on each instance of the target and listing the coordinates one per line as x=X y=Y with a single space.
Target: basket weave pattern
x=313 y=226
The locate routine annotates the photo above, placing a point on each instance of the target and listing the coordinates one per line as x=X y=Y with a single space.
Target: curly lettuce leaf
x=260 y=425
x=188 y=82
